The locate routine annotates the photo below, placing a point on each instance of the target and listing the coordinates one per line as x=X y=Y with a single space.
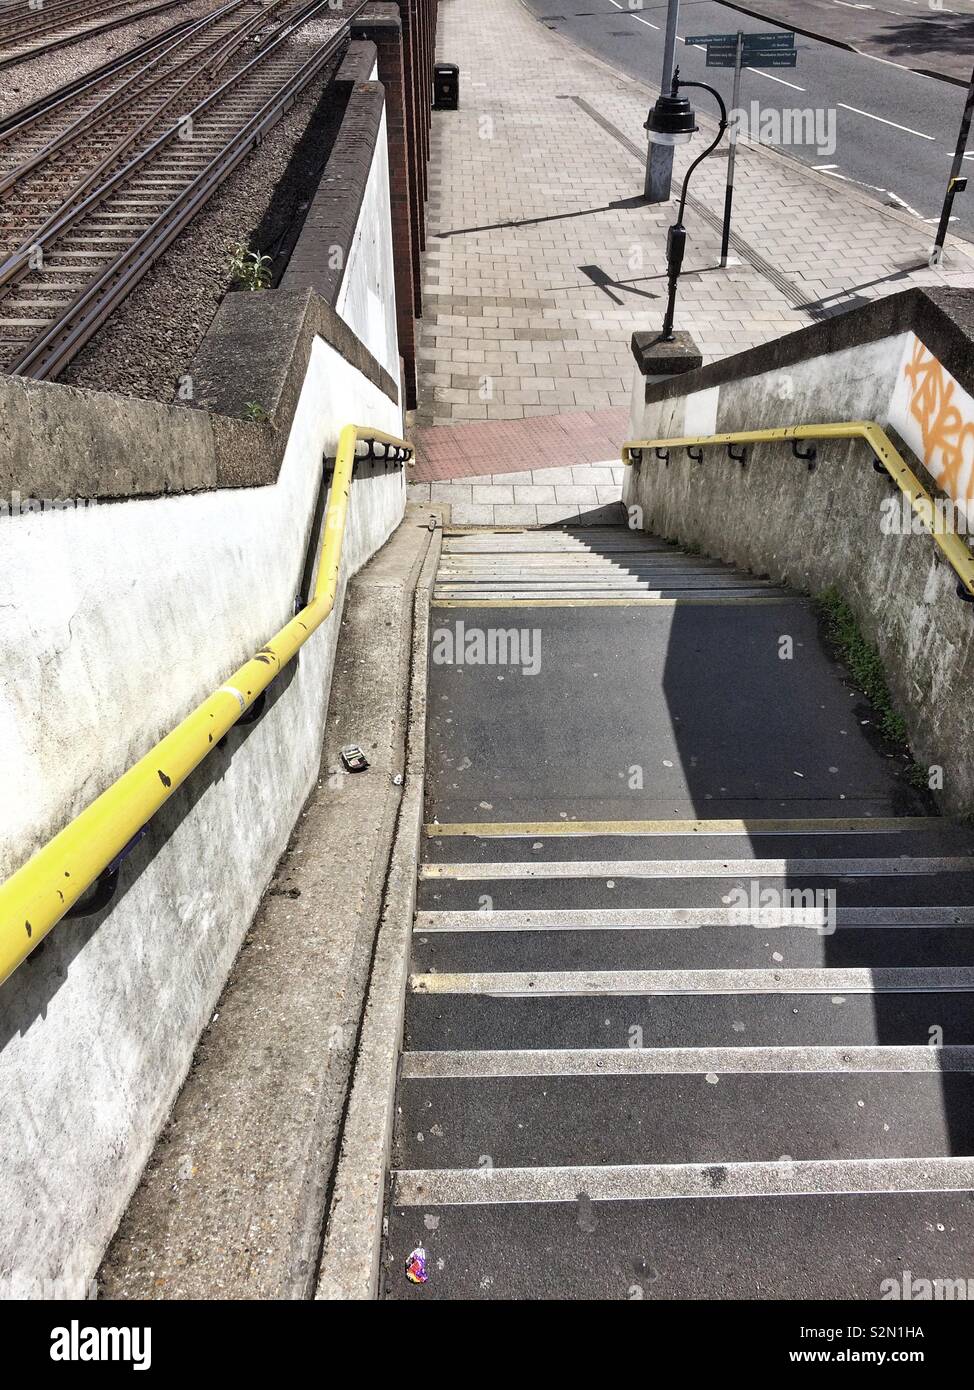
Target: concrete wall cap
x=656 y=356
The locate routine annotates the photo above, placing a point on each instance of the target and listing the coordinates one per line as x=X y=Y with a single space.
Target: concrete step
x=723 y=948
x=562 y=1119
x=796 y=1019
x=780 y=979
x=696 y=867
x=591 y=565
x=599 y=540
x=577 y=563
x=660 y=585
x=588 y=575
x=516 y=600
x=745 y=971
x=695 y=899
x=794 y=841
x=796 y=1246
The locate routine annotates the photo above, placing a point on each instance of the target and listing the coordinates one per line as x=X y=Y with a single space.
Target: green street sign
x=769 y=58
x=713 y=40
x=770 y=40
x=757 y=50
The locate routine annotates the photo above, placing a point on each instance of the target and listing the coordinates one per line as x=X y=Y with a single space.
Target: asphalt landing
x=690 y=1005
x=635 y=693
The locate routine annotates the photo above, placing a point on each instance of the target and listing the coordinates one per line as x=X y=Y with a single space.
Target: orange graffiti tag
x=943 y=427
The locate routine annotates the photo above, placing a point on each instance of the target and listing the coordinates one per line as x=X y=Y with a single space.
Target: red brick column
x=425 y=83
x=410 y=13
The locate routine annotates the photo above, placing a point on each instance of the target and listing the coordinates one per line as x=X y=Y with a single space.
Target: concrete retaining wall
x=841 y=523
x=116 y=619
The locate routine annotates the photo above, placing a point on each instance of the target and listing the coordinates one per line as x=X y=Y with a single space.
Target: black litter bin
x=446 y=87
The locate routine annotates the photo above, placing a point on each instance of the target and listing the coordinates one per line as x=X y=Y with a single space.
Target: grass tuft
x=862 y=661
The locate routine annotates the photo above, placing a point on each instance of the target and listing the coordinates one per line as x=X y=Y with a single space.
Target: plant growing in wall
x=249 y=269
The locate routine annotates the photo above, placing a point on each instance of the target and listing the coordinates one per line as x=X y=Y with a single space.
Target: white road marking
x=882 y=119
x=833 y=171
x=901 y=201
x=914 y=72
x=759 y=72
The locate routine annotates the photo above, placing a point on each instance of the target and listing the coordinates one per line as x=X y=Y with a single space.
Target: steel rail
x=22 y=21
x=888 y=458
x=26 y=19
x=64 y=40
x=130 y=92
x=25 y=116
x=42 y=891
x=70 y=210
x=51 y=350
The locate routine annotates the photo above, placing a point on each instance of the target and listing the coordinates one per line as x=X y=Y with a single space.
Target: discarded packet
x=353 y=758
x=416 y=1271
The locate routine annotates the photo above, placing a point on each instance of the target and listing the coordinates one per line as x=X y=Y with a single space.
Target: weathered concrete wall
x=121 y=619
x=367 y=298
x=842 y=522
x=116 y=619
x=345 y=251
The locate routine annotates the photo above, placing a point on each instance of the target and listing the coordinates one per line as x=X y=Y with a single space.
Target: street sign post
x=739 y=51
x=756 y=50
x=659 y=161
x=955 y=184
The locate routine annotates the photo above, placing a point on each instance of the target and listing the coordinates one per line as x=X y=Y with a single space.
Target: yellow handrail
x=953 y=548
x=36 y=897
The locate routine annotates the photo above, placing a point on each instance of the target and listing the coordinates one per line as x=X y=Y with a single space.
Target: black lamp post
x=672 y=121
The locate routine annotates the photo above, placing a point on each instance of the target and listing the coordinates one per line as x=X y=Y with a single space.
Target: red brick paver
x=513 y=446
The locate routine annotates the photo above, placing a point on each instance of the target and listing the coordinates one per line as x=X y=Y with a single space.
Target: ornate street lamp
x=673 y=121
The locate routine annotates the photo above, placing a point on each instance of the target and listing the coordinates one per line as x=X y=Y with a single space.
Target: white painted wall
x=367 y=298
x=852 y=384
x=116 y=622
x=896 y=381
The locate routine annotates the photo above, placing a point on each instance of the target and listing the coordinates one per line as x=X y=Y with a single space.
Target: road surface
x=888 y=129
x=937 y=38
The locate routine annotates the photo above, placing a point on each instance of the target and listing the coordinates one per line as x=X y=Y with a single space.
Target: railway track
x=99 y=78
x=27 y=33
x=98 y=233
x=57 y=154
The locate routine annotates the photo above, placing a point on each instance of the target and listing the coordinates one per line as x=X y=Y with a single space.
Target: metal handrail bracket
x=953 y=548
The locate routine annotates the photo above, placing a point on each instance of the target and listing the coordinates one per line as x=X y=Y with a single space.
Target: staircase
x=690 y=1012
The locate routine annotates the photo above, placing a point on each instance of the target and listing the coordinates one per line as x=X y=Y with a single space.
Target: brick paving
x=542 y=258
x=588 y=492
x=464 y=450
